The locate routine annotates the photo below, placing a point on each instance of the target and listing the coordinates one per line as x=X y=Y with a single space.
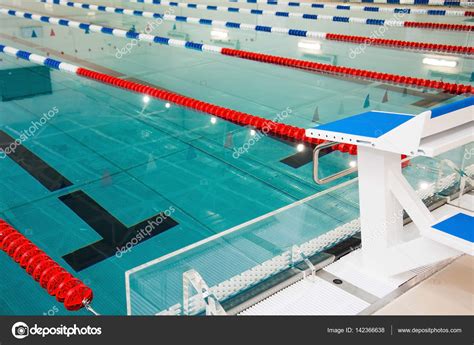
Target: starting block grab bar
x=339 y=174
x=429 y=133
x=332 y=177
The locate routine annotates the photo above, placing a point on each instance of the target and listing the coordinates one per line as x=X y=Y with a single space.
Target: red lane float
x=56 y=280
x=238 y=117
x=457 y=89
x=439 y=26
x=402 y=44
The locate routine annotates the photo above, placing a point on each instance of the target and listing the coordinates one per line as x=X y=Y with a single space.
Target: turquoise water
x=137 y=159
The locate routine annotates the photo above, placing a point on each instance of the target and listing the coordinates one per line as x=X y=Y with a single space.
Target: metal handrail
x=332 y=177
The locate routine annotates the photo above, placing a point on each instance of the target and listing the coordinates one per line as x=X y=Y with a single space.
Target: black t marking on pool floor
x=31 y=163
x=114 y=234
x=299 y=159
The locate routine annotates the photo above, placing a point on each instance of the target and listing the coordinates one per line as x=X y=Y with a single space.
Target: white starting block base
x=402 y=258
x=411 y=253
x=380 y=286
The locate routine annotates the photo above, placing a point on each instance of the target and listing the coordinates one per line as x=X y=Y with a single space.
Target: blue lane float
x=355 y=7
x=38 y=59
x=422 y=2
x=191 y=20
x=297 y=15
x=309 y=16
x=262 y=28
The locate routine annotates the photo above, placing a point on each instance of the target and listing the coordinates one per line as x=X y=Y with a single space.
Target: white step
x=311 y=296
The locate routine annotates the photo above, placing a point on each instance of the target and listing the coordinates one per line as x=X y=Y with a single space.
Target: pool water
x=121 y=160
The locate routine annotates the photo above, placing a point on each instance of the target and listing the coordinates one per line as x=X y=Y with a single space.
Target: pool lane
x=189 y=179
x=91 y=145
x=136 y=160
x=396 y=21
x=419 y=46
x=311 y=96
x=371 y=8
x=242 y=54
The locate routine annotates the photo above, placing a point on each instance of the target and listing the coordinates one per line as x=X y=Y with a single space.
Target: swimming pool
x=107 y=158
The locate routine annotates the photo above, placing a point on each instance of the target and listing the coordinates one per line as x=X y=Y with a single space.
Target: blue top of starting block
x=460 y=225
x=448 y=108
x=371 y=124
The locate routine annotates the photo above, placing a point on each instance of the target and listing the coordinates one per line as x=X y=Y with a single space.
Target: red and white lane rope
x=242 y=54
x=238 y=117
x=67 y=289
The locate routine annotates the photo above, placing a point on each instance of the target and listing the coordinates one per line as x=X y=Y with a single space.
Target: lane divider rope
x=242 y=54
x=312 y=16
x=238 y=117
x=354 y=7
x=269 y=29
x=422 y=2
x=67 y=289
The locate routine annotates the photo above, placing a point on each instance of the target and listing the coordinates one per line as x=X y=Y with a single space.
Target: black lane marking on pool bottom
x=433 y=100
x=114 y=234
x=299 y=159
x=427 y=99
x=31 y=163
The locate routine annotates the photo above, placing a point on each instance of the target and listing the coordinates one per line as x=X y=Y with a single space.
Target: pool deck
x=447 y=292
